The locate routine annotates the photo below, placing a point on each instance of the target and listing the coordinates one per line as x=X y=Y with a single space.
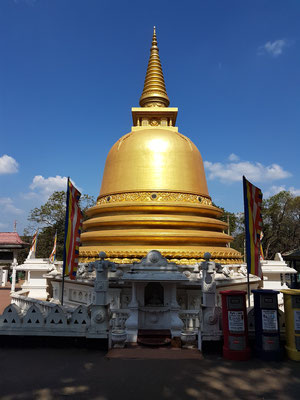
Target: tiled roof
x=10 y=238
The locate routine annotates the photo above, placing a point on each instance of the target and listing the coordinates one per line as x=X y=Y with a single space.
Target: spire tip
x=154 y=92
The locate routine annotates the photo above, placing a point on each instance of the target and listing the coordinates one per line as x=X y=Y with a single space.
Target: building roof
x=11 y=239
x=291 y=255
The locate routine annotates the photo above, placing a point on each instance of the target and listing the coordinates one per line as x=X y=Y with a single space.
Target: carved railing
x=118 y=318
x=24 y=302
x=53 y=320
x=191 y=319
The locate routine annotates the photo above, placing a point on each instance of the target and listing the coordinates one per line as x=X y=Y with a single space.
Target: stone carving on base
x=208 y=281
x=56 y=319
x=80 y=319
x=100 y=308
x=118 y=338
x=34 y=317
x=188 y=338
x=11 y=317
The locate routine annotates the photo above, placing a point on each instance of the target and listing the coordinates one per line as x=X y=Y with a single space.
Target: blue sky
x=71 y=70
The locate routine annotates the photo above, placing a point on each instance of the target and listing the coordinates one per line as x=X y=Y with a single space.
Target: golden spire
x=154 y=93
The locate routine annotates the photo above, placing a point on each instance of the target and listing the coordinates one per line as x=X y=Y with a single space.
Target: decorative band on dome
x=155 y=196
x=181 y=257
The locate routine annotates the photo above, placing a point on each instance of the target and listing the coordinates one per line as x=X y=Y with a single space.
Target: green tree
x=281 y=223
x=236 y=228
x=50 y=218
x=230 y=218
x=239 y=233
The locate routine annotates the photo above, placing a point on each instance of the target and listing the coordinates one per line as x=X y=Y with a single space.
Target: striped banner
x=52 y=257
x=253 y=226
x=72 y=231
x=32 y=250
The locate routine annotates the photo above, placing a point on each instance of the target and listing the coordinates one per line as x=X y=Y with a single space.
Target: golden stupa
x=154 y=192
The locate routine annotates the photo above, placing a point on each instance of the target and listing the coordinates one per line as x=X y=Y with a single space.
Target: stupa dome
x=154 y=159
x=154 y=193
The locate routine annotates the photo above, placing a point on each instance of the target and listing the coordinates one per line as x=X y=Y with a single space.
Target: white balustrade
x=24 y=303
x=118 y=318
x=190 y=318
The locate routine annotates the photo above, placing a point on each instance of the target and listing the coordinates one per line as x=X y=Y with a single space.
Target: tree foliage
x=50 y=218
x=230 y=218
x=281 y=223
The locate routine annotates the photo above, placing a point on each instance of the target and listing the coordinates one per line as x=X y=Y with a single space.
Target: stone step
x=154 y=333
x=154 y=338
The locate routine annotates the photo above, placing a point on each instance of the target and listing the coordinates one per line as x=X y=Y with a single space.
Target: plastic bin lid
x=265 y=291
x=233 y=292
x=292 y=292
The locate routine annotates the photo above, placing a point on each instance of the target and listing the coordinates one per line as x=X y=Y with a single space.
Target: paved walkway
x=4 y=298
x=52 y=373
x=5 y=295
x=160 y=353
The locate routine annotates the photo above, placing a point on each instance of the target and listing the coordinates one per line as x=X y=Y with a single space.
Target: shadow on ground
x=57 y=373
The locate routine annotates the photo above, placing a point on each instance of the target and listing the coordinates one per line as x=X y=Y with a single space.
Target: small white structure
x=276 y=274
x=10 y=245
x=35 y=285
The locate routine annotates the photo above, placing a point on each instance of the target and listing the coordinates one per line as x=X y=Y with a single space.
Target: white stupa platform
x=276 y=275
x=35 y=285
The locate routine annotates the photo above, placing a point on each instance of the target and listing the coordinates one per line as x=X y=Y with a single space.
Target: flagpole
x=64 y=263
x=248 y=287
x=62 y=289
x=248 y=278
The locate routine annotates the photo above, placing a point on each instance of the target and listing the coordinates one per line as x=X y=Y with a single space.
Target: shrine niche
x=154 y=295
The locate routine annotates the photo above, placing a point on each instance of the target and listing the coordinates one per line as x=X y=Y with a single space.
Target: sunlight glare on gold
x=158 y=145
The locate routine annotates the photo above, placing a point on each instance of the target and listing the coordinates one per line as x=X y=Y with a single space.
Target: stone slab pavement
x=45 y=373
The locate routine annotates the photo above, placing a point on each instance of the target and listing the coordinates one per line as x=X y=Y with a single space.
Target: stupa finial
x=154 y=38
x=154 y=93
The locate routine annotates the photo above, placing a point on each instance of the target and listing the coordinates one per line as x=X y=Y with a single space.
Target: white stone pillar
x=13 y=280
x=131 y=323
x=174 y=296
x=133 y=302
x=99 y=310
x=176 y=323
x=4 y=277
x=15 y=261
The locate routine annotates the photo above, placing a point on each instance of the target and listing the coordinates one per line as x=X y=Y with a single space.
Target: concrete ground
x=47 y=373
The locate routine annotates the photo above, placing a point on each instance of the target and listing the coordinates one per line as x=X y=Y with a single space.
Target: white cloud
x=7 y=206
x=233 y=157
x=8 y=165
x=273 y=48
x=277 y=189
x=46 y=186
x=43 y=187
x=234 y=171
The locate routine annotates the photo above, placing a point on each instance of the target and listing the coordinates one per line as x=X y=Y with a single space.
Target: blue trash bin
x=267 y=329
